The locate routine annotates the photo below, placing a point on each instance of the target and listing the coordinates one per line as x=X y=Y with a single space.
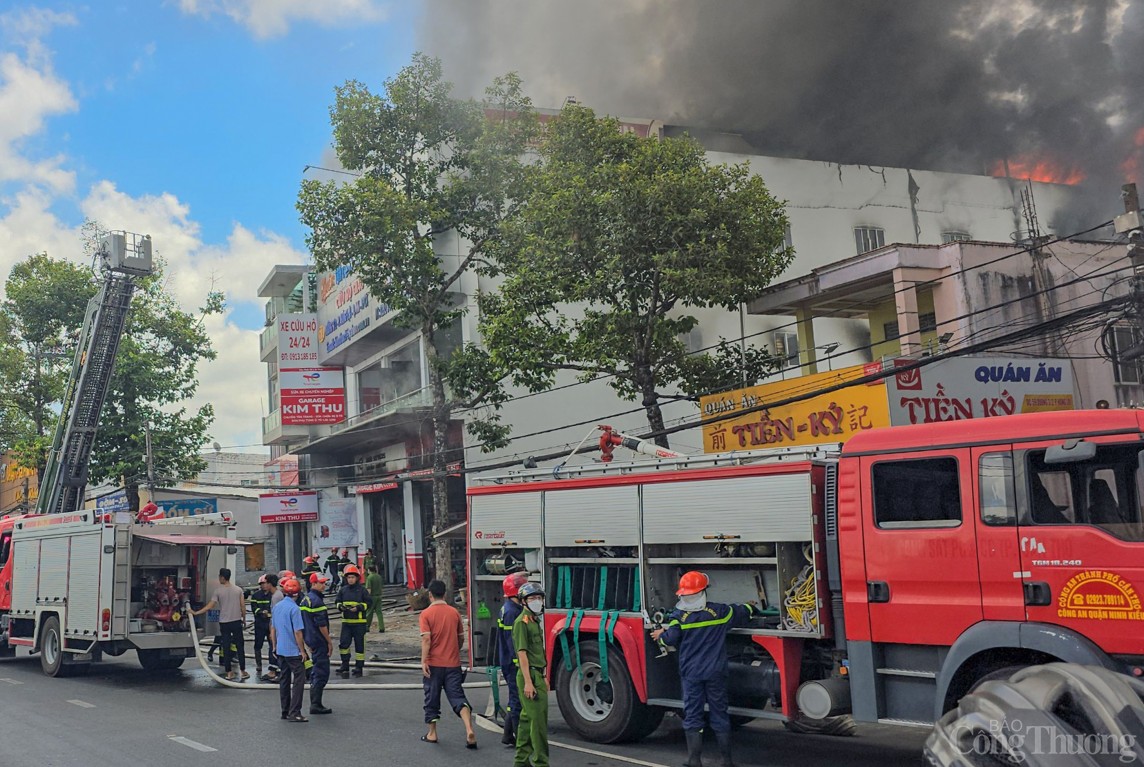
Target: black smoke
x=956 y=85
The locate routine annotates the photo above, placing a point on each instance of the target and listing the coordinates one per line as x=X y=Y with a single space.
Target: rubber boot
x=694 y=748
x=344 y=669
x=316 y=707
x=508 y=737
x=359 y=668
x=724 y=741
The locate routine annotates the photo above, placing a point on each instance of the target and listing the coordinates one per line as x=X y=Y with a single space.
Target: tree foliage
x=155 y=374
x=616 y=238
x=430 y=167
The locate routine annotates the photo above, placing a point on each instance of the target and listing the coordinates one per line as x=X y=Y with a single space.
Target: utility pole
x=150 y=463
x=1041 y=277
x=1131 y=222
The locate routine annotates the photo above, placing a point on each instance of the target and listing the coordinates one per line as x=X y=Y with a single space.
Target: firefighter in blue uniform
x=506 y=653
x=353 y=600
x=316 y=633
x=698 y=629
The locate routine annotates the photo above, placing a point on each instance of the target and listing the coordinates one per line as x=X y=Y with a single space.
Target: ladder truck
x=897 y=577
x=74 y=583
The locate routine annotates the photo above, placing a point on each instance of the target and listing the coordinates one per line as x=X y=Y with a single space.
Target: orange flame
x=1134 y=162
x=1044 y=169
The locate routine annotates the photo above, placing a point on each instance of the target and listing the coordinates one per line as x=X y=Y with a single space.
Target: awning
x=176 y=539
x=456 y=531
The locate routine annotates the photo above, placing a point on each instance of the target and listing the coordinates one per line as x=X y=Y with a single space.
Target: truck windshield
x=1103 y=492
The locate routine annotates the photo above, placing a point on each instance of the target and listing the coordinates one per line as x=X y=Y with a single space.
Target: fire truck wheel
x=599 y=711
x=52 y=648
x=157 y=660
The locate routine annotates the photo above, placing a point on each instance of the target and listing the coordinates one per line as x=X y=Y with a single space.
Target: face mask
x=692 y=602
x=536 y=605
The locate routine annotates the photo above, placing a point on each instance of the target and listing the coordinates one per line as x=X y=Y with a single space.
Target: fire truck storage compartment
x=591 y=538
x=505 y=536
x=752 y=535
x=55 y=568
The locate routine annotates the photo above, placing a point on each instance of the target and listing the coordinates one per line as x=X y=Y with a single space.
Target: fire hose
x=356 y=686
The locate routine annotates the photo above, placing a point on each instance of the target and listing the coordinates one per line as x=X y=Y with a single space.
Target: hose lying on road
x=333 y=687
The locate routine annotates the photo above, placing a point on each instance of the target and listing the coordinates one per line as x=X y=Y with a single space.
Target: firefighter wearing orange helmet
x=698 y=629
x=353 y=601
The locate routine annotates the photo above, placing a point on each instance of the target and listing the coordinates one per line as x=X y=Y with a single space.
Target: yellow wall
x=887 y=312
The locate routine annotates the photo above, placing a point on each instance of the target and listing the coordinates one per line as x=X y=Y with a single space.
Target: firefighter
x=506 y=654
x=698 y=629
x=353 y=601
x=316 y=631
x=260 y=606
x=528 y=641
x=333 y=566
x=310 y=566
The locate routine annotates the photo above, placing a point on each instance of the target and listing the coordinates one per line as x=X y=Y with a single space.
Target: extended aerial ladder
x=123 y=257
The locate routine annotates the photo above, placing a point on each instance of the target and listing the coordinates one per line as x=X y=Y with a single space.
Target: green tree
x=155 y=373
x=431 y=166
x=616 y=238
x=44 y=306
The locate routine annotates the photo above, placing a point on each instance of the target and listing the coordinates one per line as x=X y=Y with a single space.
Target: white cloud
x=30 y=92
x=272 y=18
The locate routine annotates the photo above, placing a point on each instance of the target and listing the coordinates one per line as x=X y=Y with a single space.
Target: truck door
x=1002 y=598
x=1082 y=540
x=922 y=584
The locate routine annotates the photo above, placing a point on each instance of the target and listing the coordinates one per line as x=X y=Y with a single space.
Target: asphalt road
x=121 y=716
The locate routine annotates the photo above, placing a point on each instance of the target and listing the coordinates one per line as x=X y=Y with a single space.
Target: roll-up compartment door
x=511 y=519
x=768 y=508
x=602 y=516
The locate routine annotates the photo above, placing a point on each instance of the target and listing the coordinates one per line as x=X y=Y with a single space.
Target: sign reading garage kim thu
x=962 y=388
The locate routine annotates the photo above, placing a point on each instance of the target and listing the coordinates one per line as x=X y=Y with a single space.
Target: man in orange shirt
x=442 y=635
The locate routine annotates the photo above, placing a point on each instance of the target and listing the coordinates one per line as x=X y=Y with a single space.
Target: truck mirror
x=1071 y=451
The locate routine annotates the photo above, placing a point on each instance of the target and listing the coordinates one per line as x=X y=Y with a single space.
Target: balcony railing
x=267 y=339
x=420 y=398
x=271 y=422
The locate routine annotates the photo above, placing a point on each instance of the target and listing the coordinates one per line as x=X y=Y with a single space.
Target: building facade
x=372 y=457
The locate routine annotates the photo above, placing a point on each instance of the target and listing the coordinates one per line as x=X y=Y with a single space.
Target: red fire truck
x=894 y=576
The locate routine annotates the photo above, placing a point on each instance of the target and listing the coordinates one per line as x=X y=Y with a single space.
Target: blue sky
x=190 y=120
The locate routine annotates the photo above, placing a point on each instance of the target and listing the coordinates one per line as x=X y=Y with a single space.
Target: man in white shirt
x=231 y=604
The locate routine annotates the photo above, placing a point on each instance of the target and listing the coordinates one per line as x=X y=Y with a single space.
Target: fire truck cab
x=893 y=577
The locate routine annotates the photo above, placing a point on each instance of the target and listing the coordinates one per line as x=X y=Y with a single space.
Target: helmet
x=352 y=570
x=692 y=583
x=290 y=586
x=284 y=574
x=345 y=552
x=262 y=579
x=513 y=583
x=530 y=589
x=309 y=560
x=317 y=578
x=1081 y=707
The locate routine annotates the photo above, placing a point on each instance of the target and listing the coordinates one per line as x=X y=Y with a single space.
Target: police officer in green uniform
x=528 y=640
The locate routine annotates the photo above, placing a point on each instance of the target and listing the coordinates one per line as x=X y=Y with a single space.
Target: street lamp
x=829 y=349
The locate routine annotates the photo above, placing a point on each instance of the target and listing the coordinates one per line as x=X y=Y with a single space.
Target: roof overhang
x=176 y=539
x=851 y=287
x=282 y=279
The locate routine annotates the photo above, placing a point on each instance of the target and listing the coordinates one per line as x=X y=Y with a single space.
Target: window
x=786 y=348
x=788 y=242
x=890 y=330
x=927 y=322
x=254 y=557
x=391 y=377
x=917 y=493
x=868 y=238
x=1102 y=492
x=1124 y=337
x=5 y=547
x=947 y=237
x=995 y=476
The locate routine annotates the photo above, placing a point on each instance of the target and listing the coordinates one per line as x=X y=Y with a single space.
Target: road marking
x=81 y=703
x=485 y=724
x=9 y=681
x=188 y=742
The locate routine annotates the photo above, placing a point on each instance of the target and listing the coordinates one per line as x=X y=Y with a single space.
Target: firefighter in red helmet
x=506 y=653
x=698 y=629
x=353 y=601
